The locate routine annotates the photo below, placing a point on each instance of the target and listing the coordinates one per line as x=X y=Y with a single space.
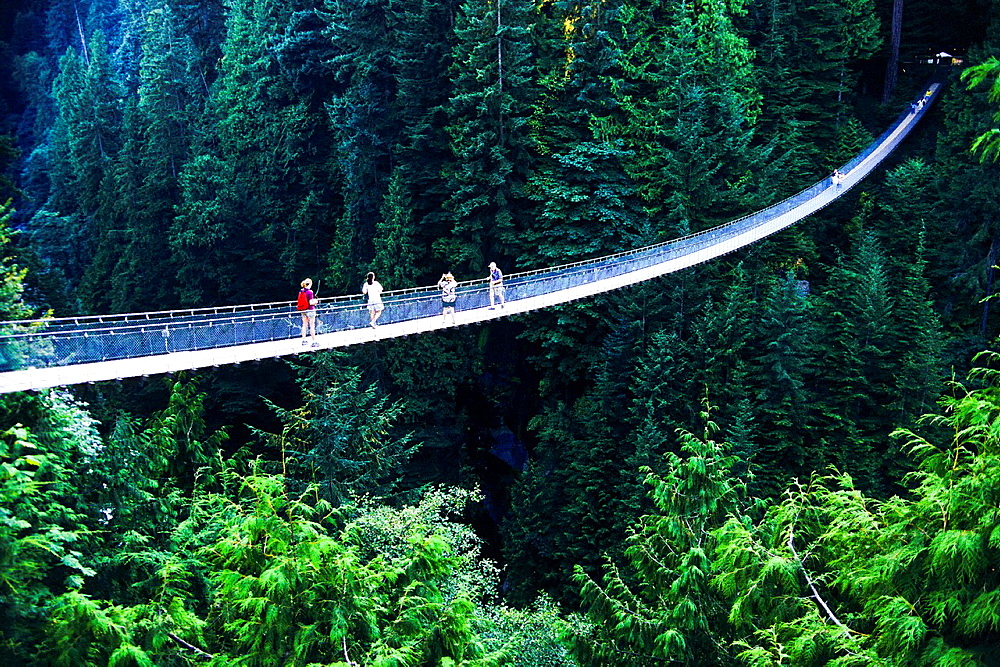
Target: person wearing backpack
x=306 y=305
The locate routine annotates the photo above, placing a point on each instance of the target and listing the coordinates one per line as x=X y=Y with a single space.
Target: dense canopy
x=784 y=456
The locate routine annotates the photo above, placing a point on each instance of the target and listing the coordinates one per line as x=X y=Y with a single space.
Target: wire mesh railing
x=87 y=339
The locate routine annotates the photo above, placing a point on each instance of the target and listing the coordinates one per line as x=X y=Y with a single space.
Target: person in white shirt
x=373 y=290
x=449 y=296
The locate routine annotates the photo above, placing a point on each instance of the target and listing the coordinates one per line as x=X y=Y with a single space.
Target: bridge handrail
x=282 y=313
x=285 y=306
x=150 y=316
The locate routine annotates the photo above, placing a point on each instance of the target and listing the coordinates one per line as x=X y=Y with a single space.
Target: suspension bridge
x=38 y=354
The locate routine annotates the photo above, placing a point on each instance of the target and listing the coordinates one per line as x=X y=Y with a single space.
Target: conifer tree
x=43 y=526
x=664 y=385
x=865 y=342
x=905 y=580
x=160 y=128
x=689 y=103
x=912 y=215
x=585 y=202
x=805 y=53
x=246 y=182
x=567 y=508
x=88 y=128
x=84 y=143
x=918 y=332
x=344 y=439
x=658 y=604
x=395 y=253
x=720 y=347
x=488 y=112
x=425 y=34
x=361 y=119
x=781 y=378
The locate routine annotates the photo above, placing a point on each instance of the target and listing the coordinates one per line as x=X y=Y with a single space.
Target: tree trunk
x=892 y=67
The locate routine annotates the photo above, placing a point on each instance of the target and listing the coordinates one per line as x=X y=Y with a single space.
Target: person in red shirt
x=309 y=314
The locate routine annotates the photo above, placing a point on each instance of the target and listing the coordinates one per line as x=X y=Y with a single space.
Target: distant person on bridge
x=307 y=306
x=373 y=290
x=837 y=177
x=496 y=286
x=449 y=296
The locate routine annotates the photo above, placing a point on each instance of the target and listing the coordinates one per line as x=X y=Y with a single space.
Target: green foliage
x=12 y=305
x=906 y=580
x=43 y=530
x=288 y=582
x=165 y=555
x=344 y=438
x=85 y=632
x=362 y=125
x=988 y=143
x=159 y=132
x=247 y=143
x=658 y=605
x=531 y=636
x=142 y=483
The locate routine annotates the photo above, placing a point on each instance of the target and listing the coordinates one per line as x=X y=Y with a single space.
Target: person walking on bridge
x=449 y=296
x=373 y=290
x=307 y=307
x=496 y=286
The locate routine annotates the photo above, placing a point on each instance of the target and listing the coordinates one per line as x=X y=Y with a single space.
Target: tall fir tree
x=806 y=56
x=160 y=127
x=245 y=195
x=657 y=603
x=85 y=140
x=783 y=387
x=425 y=33
x=488 y=112
x=859 y=306
x=361 y=118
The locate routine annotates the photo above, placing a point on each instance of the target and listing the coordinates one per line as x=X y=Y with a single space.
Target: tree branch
x=201 y=654
x=815 y=593
x=347 y=658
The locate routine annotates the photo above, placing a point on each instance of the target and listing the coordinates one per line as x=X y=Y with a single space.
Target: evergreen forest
x=789 y=455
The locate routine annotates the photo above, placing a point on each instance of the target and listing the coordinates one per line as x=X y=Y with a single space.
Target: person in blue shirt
x=496 y=286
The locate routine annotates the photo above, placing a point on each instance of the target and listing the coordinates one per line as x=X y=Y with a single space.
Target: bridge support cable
x=37 y=354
